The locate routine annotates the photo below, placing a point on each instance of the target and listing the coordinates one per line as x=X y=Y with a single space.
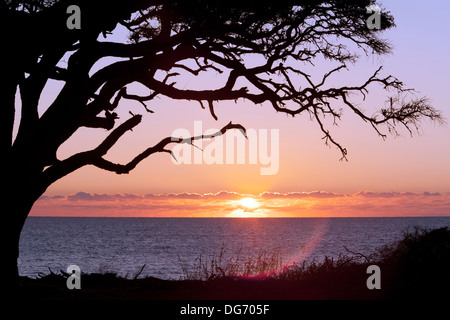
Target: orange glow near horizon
x=248 y=208
x=235 y=205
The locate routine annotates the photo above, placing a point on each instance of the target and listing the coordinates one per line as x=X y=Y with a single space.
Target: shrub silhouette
x=418 y=264
x=415 y=267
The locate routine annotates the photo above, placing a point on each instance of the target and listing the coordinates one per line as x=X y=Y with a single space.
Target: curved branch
x=197 y=95
x=104 y=164
x=76 y=161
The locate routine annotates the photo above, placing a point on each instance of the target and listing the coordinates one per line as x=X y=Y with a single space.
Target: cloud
x=384 y=194
x=434 y=194
x=221 y=195
x=300 y=195
x=227 y=195
x=51 y=197
x=220 y=204
x=185 y=195
x=85 y=196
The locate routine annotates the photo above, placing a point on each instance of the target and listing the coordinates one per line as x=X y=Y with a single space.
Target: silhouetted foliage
x=419 y=264
x=415 y=267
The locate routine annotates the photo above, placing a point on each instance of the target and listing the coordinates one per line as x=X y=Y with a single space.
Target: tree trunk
x=21 y=192
x=13 y=222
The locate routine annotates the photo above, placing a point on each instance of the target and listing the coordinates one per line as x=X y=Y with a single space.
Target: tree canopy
x=190 y=36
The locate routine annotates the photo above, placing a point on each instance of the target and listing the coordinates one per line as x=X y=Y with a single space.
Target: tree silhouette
x=190 y=36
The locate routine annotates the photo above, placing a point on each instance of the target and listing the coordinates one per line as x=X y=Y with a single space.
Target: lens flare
x=304 y=252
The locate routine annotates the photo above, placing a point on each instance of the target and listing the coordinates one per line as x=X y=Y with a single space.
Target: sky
x=399 y=176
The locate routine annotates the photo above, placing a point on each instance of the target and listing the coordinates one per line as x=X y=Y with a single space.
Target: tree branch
x=76 y=161
x=95 y=156
x=102 y=163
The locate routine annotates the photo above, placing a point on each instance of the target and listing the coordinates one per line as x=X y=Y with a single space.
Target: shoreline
x=416 y=267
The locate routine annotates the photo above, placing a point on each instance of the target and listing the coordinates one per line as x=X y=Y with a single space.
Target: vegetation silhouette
x=415 y=267
x=173 y=37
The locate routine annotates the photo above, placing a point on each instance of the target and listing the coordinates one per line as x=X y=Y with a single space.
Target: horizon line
x=240 y=218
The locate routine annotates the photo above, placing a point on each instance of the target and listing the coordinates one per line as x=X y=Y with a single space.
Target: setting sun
x=249 y=203
x=247 y=208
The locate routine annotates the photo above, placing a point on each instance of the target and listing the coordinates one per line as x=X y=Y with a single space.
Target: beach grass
x=416 y=266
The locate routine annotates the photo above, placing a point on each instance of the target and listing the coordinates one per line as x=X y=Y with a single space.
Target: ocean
x=166 y=246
